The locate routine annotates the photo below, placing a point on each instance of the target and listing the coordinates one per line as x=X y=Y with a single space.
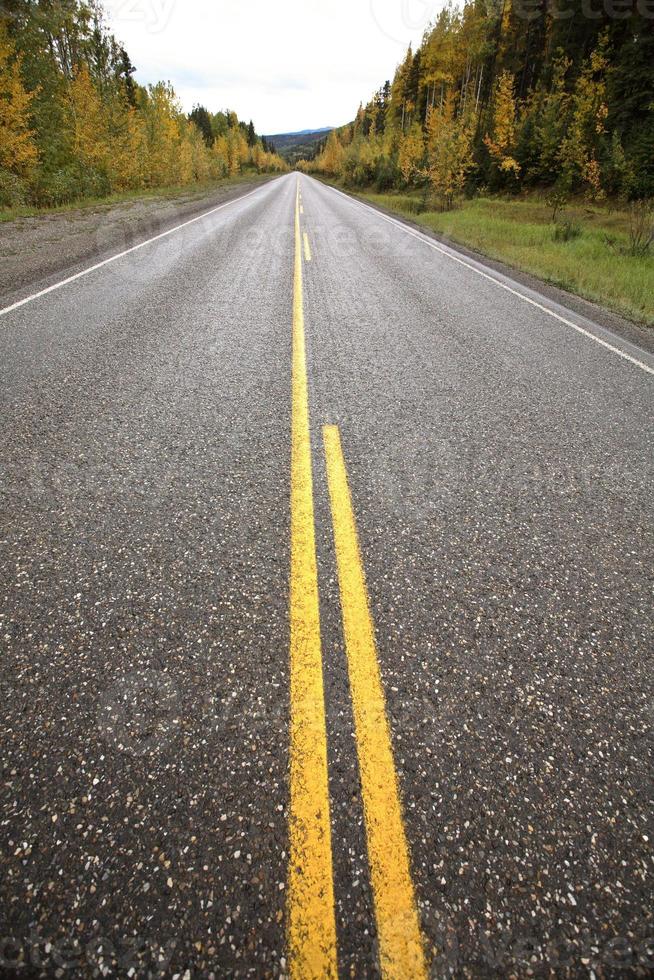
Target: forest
x=504 y=97
x=75 y=124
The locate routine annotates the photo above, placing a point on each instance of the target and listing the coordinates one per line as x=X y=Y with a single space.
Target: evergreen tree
x=200 y=116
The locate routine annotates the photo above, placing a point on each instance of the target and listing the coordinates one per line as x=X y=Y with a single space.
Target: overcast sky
x=288 y=64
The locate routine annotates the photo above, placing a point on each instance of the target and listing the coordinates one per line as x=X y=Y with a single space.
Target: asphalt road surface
x=326 y=613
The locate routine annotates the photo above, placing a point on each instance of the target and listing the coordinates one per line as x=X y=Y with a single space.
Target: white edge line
x=455 y=258
x=128 y=251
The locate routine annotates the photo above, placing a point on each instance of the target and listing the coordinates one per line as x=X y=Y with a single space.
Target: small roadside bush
x=641 y=231
x=641 y=227
x=566 y=231
x=69 y=184
x=557 y=200
x=425 y=199
x=12 y=190
x=386 y=174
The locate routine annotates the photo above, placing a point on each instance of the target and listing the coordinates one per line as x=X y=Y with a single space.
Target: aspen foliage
x=501 y=144
x=18 y=153
x=449 y=153
x=88 y=123
x=411 y=153
x=582 y=144
x=333 y=155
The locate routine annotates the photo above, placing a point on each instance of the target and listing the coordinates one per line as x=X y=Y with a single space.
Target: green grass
x=128 y=197
x=520 y=233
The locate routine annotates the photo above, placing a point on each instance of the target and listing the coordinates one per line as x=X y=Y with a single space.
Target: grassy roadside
x=189 y=192
x=520 y=232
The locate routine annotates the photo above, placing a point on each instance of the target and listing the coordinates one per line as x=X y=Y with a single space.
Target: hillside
x=296 y=146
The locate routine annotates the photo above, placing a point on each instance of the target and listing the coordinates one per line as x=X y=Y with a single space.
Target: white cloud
x=294 y=64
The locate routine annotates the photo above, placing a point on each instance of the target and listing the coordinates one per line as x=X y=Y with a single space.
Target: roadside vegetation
x=529 y=138
x=75 y=126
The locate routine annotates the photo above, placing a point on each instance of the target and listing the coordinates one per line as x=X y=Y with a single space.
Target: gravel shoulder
x=34 y=250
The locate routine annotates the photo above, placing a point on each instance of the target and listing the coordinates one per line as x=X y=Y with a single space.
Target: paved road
x=295 y=434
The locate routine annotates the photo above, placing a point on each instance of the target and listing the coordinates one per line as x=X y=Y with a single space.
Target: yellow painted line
x=307 y=248
x=401 y=947
x=310 y=902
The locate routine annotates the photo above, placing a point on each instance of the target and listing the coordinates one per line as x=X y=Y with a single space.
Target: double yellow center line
x=311 y=920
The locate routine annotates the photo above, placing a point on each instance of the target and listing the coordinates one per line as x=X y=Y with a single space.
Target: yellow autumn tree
x=185 y=163
x=200 y=155
x=258 y=156
x=412 y=151
x=18 y=153
x=129 y=166
x=449 y=152
x=220 y=157
x=88 y=122
x=161 y=112
x=501 y=145
x=193 y=155
x=331 y=159
x=237 y=150
x=580 y=148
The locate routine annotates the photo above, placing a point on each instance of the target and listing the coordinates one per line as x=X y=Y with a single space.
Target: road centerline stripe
x=401 y=948
x=310 y=908
x=307 y=248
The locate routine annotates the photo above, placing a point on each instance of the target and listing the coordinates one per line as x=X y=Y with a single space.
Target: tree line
x=75 y=124
x=511 y=95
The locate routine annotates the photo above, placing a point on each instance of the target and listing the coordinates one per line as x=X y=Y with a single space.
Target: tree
x=400 y=91
x=88 y=125
x=449 y=156
x=220 y=157
x=619 y=177
x=18 y=153
x=161 y=112
x=332 y=157
x=584 y=141
x=552 y=119
x=129 y=158
x=501 y=145
x=200 y=116
x=412 y=151
x=127 y=69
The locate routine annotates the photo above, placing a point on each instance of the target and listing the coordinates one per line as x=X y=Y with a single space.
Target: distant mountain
x=296 y=146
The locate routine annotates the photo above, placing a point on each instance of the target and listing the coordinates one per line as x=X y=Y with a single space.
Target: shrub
x=557 y=199
x=641 y=227
x=69 y=184
x=566 y=231
x=641 y=231
x=386 y=174
x=12 y=190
